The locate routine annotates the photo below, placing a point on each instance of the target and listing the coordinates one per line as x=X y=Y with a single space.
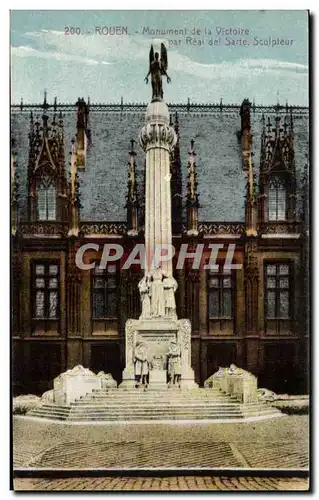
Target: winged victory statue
x=157 y=69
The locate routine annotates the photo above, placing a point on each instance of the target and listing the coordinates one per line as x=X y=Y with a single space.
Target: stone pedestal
x=73 y=384
x=157 y=334
x=217 y=381
x=244 y=387
x=157 y=380
x=236 y=382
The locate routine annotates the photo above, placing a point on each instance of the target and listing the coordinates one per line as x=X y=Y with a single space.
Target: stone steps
x=117 y=405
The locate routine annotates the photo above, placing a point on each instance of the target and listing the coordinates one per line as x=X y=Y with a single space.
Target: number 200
x=70 y=30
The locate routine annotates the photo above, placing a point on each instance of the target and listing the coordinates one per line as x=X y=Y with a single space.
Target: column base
x=129 y=381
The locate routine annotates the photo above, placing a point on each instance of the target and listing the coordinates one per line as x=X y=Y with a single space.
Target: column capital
x=157 y=135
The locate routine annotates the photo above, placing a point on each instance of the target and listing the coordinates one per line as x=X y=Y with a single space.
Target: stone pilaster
x=251 y=287
x=73 y=292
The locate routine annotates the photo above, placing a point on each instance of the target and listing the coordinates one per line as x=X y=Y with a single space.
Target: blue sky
x=107 y=68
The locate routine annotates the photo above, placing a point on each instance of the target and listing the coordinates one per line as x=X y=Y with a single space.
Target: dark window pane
x=98 y=305
x=39 y=269
x=227 y=282
x=51 y=202
x=214 y=282
x=284 y=269
x=271 y=282
x=272 y=213
x=276 y=200
x=41 y=203
x=284 y=304
x=284 y=282
x=53 y=304
x=111 y=282
x=99 y=283
x=111 y=305
x=46 y=200
x=281 y=204
x=39 y=283
x=271 y=269
x=227 y=304
x=53 y=283
x=53 y=270
x=271 y=304
x=111 y=269
x=214 y=304
x=39 y=305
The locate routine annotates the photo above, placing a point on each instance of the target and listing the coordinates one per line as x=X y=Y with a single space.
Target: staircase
x=138 y=405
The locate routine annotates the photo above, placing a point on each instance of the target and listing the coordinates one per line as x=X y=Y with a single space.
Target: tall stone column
x=157 y=138
x=158 y=333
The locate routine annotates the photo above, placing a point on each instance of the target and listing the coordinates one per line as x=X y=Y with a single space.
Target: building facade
x=239 y=186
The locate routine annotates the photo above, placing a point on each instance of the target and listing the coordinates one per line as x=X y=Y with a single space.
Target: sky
x=266 y=60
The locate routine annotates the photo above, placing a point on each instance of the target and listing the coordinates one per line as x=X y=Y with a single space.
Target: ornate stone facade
x=42 y=351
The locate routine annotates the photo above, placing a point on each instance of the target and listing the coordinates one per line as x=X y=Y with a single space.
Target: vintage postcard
x=160 y=250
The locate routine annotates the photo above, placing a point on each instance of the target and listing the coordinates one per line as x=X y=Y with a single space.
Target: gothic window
x=278 y=285
x=46 y=199
x=45 y=293
x=220 y=298
x=220 y=295
x=276 y=200
x=105 y=292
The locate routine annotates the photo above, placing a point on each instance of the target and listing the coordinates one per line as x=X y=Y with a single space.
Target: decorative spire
x=47 y=160
x=74 y=195
x=45 y=116
x=14 y=193
x=176 y=181
x=245 y=132
x=250 y=202
x=132 y=202
x=277 y=161
x=192 y=195
x=82 y=133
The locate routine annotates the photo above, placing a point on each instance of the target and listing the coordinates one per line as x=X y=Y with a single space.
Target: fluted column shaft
x=157 y=139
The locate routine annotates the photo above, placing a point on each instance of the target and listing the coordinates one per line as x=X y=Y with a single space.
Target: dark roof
x=103 y=183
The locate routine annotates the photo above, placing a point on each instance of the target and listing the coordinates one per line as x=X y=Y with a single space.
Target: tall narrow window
x=45 y=291
x=105 y=292
x=278 y=296
x=220 y=299
x=46 y=199
x=276 y=200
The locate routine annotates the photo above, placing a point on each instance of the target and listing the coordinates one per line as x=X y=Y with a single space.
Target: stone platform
x=113 y=405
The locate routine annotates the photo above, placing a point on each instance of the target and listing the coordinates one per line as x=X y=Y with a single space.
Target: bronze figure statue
x=157 y=69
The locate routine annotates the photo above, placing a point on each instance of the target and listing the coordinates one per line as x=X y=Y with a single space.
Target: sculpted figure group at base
x=158 y=295
x=142 y=365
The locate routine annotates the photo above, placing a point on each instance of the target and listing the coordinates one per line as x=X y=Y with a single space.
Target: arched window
x=276 y=200
x=46 y=199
